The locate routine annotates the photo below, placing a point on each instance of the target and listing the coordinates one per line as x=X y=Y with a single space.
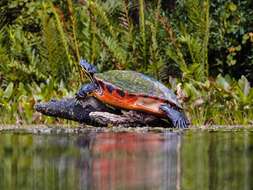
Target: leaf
x=245 y=37
x=191 y=91
x=244 y=85
x=8 y=91
x=232 y=7
x=222 y=83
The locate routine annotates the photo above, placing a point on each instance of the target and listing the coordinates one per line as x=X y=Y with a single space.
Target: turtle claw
x=184 y=123
x=178 y=118
x=85 y=90
x=81 y=94
x=77 y=100
x=176 y=123
x=181 y=124
x=78 y=97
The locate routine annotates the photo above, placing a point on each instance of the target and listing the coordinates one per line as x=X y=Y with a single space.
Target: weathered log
x=110 y=119
x=93 y=112
x=69 y=108
x=128 y=119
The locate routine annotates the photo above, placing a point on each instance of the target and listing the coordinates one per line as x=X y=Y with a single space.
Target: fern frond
x=74 y=28
x=86 y=34
x=4 y=58
x=53 y=56
x=155 y=61
x=60 y=29
x=74 y=36
x=143 y=32
x=117 y=52
x=198 y=14
x=171 y=36
x=110 y=6
x=173 y=50
x=2 y=19
x=194 y=47
x=98 y=11
x=177 y=57
x=124 y=18
x=124 y=21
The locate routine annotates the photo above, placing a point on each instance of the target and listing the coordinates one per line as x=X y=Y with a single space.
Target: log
x=93 y=112
x=69 y=108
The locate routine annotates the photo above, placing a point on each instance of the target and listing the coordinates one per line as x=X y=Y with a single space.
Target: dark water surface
x=108 y=161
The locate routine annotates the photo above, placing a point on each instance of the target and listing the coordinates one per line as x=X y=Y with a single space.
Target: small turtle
x=131 y=90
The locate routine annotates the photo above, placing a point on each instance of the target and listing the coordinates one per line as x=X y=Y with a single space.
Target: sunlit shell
x=138 y=84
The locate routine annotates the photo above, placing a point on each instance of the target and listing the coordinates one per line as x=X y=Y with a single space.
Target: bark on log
x=93 y=112
x=69 y=108
x=128 y=119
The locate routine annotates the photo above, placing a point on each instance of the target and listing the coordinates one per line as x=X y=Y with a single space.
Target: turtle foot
x=178 y=118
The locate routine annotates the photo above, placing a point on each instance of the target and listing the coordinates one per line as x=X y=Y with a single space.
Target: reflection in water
x=91 y=161
x=217 y=161
x=199 y=160
x=135 y=161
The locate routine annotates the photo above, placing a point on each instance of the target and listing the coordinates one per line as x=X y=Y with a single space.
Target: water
x=131 y=161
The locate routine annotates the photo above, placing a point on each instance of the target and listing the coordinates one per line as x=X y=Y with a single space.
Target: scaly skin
x=178 y=118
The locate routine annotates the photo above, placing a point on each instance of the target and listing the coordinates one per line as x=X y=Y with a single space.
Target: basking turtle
x=131 y=90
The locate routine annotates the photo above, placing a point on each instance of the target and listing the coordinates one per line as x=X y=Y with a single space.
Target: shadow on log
x=93 y=112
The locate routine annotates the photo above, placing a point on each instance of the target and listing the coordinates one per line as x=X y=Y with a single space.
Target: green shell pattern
x=137 y=83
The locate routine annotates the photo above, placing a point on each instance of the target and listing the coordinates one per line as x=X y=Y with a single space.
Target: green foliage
x=17 y=101
x=223 y=101
x=30 y=60
x=190 y=49
x=199 y=42
x=53 y=49
x=231 y=46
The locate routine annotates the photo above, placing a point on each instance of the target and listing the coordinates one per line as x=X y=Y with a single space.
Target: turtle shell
x=138 y=84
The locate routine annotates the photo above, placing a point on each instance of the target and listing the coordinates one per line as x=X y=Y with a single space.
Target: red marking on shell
x=104 y=84
x=131 y=102
x=140 y=102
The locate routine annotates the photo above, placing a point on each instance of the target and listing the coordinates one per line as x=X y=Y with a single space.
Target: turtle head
x=88 y=67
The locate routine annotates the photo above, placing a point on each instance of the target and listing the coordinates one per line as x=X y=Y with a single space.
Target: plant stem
x=206 y=37
x=73 y=22
x=61 y=31
x=142 y=29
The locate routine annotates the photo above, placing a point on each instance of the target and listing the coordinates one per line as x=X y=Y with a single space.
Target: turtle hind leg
x=85 y=90
x=178 y=118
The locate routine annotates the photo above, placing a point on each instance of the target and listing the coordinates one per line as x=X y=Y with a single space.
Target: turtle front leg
x=86 y=90
x=178 y=118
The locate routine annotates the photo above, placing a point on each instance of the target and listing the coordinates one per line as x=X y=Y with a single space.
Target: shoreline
x=80 y=129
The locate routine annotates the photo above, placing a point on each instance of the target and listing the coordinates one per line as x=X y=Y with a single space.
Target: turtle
x=131 y=90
